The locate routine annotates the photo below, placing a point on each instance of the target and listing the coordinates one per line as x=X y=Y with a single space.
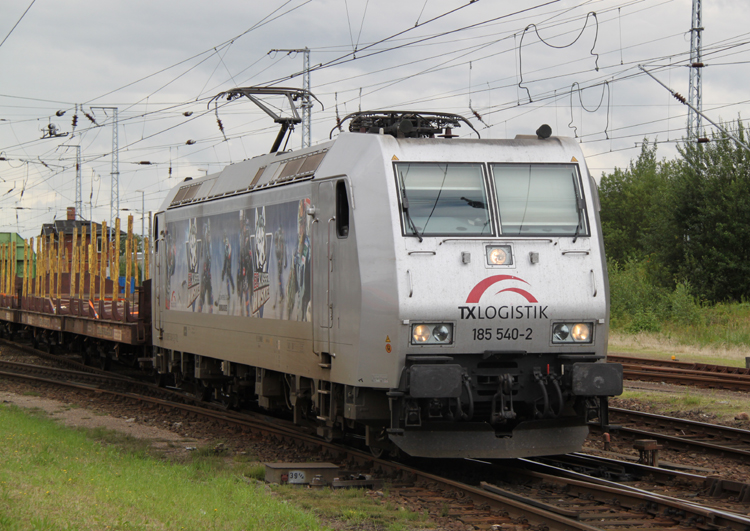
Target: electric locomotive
x=444 y=296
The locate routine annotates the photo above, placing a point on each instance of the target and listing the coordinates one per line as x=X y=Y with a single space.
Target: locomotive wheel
x=377 y=451
x=202 y=391
x=104 y=362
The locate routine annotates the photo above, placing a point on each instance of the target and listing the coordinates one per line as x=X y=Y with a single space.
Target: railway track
x=484 y=503
x=708 y=491
x=684 y=373
x=682 y=434
x=606 y=504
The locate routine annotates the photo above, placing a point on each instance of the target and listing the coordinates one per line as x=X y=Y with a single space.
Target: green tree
x=629 y=198
x=712 y=209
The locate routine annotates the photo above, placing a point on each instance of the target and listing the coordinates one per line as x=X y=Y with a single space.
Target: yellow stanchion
x=13 y=267
x=3 y=274
x=58 y=291
x=103 y=262
x=117 y=256
x=128 y=267
x=147 y=260
x=74 y=265
x=82 y=264
x=25 y=267
x=92 y=266
x=48 y=284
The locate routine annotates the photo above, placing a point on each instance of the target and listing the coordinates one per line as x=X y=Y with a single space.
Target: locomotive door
x=324 y=240
x=161 y=273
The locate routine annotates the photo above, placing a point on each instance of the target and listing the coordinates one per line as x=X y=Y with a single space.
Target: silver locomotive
x=446 y=297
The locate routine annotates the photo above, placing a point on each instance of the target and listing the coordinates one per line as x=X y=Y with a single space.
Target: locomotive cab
x=502 y=296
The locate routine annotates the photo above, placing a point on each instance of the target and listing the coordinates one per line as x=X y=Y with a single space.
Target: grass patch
x=56 y=478
x=355 y=507
x=663 y=346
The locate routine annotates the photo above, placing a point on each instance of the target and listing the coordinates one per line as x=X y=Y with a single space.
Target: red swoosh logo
x=485 y=284
x=525 y=294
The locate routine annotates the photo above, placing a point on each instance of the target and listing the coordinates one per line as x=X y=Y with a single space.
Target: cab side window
x=342 y=210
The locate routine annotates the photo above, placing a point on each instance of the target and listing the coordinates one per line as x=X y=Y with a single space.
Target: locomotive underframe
x=502 y=406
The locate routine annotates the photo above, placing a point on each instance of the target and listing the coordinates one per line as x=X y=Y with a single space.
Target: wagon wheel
x=104 y=361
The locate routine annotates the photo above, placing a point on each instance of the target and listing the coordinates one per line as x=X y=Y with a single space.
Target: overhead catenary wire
x=17 y=23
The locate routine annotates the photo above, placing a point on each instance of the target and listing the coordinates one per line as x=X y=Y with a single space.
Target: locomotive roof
x=264 y=171
x=282 y=168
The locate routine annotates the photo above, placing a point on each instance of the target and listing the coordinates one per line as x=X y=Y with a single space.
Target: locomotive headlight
x=560 y=332
x=581 y=333
x=499 y=255
x=432 y=334
x=572 y=332
x=441 y=333
x=420 y=334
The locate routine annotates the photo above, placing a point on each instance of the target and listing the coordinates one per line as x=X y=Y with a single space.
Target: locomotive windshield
x=539 y=199
x=441 y=199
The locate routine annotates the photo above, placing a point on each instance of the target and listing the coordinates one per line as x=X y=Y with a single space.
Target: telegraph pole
x=695 y=92
x=306 y=102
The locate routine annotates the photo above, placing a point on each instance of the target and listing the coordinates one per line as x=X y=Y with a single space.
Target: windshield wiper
x=474 y=204
x=580 y=218
x=405 y=207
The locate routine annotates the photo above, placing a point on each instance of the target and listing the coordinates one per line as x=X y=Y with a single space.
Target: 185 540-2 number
x=510 y=334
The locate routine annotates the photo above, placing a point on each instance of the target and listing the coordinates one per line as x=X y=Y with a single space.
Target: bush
x=633 y=295
x=640 y=304
x=643 y=321
x=684 y=309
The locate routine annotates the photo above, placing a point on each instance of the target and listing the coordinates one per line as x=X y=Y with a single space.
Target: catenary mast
x=695 y=91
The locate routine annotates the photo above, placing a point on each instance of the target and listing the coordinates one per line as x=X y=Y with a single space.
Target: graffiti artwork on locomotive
x=423 y=293
x=262 y=255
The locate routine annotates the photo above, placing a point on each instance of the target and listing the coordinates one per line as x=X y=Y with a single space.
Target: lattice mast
x=306 y=105
x=114 y=205
x=695 y=91
x=306 y=102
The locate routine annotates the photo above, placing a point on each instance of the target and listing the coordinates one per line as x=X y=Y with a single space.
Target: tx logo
x=473 y=310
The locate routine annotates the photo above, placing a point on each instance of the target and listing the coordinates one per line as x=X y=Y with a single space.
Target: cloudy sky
x=508 y=66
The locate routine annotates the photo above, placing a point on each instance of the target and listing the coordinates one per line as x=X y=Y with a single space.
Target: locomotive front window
x=441 y=199
x=539 y=199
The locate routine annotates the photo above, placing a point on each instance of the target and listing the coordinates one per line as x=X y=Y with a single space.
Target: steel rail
x=710 y=382
x=690 y=430
x=704 y=367
x=708 y=487
x=636 y=500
